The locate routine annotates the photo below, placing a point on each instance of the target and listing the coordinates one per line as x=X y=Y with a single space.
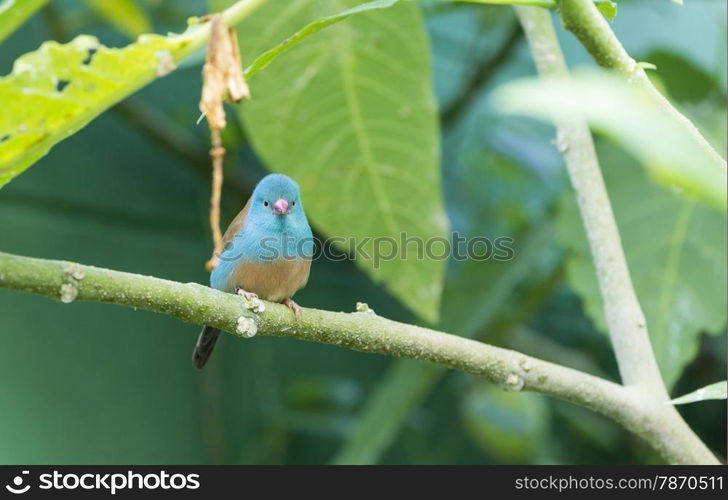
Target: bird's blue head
x=276 y=200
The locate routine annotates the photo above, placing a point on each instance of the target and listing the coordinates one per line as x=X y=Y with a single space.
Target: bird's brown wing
x=235 y=225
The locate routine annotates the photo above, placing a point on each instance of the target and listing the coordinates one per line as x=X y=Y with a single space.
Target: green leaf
x=719 y=390
x=263 y=60
x=608 y=8
x=675 y=250
x=125 y=15
x=646 y=65
x=13 y=13
x=55 y=91
x=352 y=114
x=633 y=119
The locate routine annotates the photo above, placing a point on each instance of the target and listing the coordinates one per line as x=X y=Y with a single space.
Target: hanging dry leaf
x=222 y=79
x=222 y=74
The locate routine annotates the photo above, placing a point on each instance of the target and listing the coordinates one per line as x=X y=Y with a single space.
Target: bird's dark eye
x=293 y=203
x=265 y=203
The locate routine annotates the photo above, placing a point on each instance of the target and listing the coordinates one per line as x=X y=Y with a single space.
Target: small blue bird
x=268 y=250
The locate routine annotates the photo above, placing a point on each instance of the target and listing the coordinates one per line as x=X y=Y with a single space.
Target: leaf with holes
x=56 y=90
x=351 y=115
x=676 y=251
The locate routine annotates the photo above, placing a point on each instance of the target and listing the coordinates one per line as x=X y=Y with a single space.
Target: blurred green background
x=89 y=383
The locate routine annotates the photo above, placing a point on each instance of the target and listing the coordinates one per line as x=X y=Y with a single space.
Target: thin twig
x=217 y=153
x=625 y=320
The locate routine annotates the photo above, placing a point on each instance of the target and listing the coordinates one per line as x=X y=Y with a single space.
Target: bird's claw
x=293 y=307
x=249 y=296
x=251 y=300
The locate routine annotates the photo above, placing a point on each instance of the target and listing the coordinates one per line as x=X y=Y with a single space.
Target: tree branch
x=625 y=320
x=584 y=20
x=360 y=331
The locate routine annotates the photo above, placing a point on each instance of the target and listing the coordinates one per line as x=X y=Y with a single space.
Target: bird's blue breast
x=283 y=238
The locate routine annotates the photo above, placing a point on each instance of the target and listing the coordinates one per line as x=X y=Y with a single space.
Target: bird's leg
x=293 y=307
x=251 y=300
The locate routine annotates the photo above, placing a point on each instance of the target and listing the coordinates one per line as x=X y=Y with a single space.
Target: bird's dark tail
x=205 y=345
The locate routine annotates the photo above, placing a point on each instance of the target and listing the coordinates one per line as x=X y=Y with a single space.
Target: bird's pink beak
x=280 y=207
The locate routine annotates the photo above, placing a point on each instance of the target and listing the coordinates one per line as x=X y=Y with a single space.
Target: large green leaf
x=675 y=250
x=632 y=117
x=351 y=113
x=14 y=13
x=264 y=59
x=56 y=90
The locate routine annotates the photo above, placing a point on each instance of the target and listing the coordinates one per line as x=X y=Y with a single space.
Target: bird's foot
x=251 y=300
x=293 y=307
